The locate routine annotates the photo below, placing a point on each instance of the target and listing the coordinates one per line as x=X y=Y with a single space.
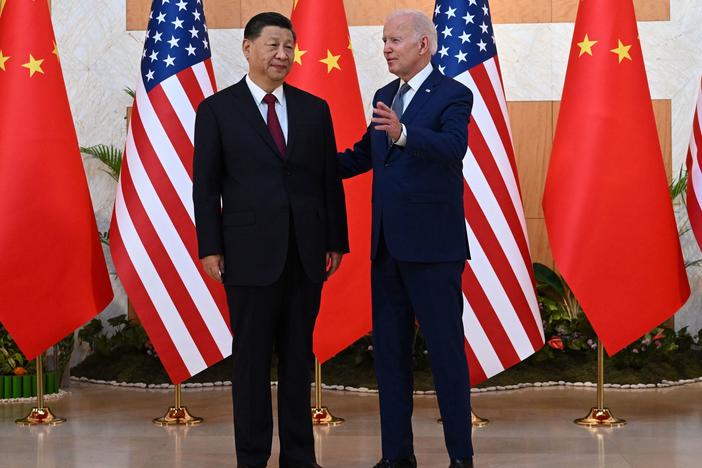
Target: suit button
x=387 y=164
x=288 y=173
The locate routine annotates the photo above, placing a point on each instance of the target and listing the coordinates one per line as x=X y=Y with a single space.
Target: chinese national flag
x=324 y=66
x=607 y=206
x=53 y=276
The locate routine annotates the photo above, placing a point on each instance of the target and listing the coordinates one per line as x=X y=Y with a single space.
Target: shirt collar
x=258 y=93
x=416 y=81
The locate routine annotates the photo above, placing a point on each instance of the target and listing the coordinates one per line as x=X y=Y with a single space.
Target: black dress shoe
x=410 y=462
x=465 y=463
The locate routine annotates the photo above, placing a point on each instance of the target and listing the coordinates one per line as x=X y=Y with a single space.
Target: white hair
x=421 y=25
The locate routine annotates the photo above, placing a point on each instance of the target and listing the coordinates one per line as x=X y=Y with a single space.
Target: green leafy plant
x=10 y=356
x=109 y=155
x=128 y=336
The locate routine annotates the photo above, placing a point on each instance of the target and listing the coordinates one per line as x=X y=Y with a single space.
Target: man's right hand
x=213 y=266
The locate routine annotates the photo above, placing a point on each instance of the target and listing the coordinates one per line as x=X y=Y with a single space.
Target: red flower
x=556 y=343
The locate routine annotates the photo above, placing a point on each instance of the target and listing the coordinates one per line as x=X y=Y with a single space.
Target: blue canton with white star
x=466 y=37
x=176 y=39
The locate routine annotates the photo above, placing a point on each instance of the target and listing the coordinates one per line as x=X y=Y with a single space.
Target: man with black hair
x=271 y=226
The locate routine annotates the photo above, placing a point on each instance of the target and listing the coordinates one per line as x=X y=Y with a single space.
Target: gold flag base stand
x=475 y=420
x=40 y=415
x=177 y=415
x=600 y=416
x=321 y=416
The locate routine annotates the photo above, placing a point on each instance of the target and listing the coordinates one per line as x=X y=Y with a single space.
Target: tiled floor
x=111 y=427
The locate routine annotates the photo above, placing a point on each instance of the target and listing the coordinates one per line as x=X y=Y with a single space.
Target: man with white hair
x=415 y=146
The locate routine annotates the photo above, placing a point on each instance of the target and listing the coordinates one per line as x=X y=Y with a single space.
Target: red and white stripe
x=153 y=240
x=501 y=315
x=694 y=174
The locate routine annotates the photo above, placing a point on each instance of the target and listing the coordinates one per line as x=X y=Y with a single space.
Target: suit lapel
x=293 y=109
x=421 y=96
x=253 y=116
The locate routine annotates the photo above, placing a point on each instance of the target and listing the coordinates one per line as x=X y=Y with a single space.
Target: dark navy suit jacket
x=418 y=189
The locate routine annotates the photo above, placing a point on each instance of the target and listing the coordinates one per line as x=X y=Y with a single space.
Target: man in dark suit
x=271 y=225
x=415 y=146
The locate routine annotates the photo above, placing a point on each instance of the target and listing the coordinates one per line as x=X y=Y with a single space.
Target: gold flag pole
x=40 y=415
x=177 y=415
x=600 y=416
x=320 y=414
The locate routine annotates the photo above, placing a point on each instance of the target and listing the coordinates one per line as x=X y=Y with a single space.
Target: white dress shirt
x=414 y=84
x=280 y=107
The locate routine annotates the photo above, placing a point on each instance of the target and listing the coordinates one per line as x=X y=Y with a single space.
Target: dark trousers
x=281 y=315
x=431 y=294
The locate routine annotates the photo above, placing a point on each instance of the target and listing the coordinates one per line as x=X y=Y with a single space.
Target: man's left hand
x=386 y=120
x=332 y=262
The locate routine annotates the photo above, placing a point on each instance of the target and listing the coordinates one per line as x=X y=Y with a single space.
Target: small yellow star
x=298 y=55
x=350 y=45
x=622 y=51
x=3 y=59
x=34 y=65
x=332 y=61
x=295 y=4
x=2 y=5
x=586 y=46
x=55 y=51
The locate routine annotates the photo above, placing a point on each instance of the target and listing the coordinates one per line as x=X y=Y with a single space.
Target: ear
x=246 y=48
x=423 y=45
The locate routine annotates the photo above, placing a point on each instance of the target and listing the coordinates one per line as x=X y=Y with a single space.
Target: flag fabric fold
x=53 y=276
x=324 y=66
x=694 y=173
x=607 y=206
x=501 y=317
x=152 y=238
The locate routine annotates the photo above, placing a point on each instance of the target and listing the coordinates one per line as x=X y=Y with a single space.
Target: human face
x=270 y=57
x=405 y=54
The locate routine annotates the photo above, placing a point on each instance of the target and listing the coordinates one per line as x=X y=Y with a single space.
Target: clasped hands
x=385 y=120
x=214 y=264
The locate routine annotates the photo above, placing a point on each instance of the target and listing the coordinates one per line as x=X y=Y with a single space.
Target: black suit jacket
x=237 y=162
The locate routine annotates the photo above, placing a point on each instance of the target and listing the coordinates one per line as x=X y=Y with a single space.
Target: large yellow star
x=622 y=51
x=332 y=61
x=34 y=65
x=298 y=55
x=3 y=59
x=586 y=46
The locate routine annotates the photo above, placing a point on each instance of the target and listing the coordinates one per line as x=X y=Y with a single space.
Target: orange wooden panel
x=250 y=8
x=532 y=134
x=646 y=10
x=538 y=241
x=363 y=12
x=521 y=11
x=219 y=13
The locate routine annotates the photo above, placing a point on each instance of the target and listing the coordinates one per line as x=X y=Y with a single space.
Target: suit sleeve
x=207 y=193
x=337 y=227
x=357 y=160
x=448 y=144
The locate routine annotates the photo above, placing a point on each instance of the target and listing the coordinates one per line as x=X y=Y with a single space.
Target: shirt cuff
x=402 y=141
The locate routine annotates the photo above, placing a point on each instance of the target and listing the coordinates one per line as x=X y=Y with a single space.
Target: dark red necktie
x=274 y=124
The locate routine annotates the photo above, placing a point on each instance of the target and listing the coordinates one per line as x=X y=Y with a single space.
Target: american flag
x=694 y=182
x=153 y=239
x=501 y=314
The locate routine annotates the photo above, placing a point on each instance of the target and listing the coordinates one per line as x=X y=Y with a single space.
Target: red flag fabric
x=607 y=207
x=694 y=173
x=53 y=276
x=324 y=66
